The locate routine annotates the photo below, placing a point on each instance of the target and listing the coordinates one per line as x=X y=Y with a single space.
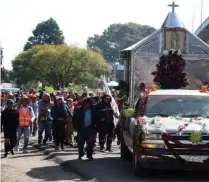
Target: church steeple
x=172 y=20
x=173 y=5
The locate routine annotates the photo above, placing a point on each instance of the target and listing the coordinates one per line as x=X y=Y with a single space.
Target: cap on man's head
x=87 y=100
x=10 y=101
x=25 y=97
x=69 y=99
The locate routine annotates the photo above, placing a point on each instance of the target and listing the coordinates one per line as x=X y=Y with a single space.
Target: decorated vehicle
x=170 y=123
x=172 y=129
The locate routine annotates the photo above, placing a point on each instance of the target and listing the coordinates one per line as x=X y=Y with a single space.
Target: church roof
x=173 y=21
x=153 y=44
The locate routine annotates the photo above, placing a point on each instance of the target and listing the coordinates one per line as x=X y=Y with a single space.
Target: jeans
x=44 y=126
x=26 y=132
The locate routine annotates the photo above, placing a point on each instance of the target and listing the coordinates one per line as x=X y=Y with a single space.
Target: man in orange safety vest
x=26 y=117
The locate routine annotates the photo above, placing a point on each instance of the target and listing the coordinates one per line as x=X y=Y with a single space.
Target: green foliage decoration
x=129 y=112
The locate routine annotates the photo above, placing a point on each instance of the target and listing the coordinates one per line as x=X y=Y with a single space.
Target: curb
x=65 y=164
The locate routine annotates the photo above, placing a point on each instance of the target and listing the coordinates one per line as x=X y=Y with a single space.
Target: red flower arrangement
x=169 y=73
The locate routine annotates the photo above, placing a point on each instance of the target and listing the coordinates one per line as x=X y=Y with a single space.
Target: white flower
x=173 y=51
x=165 y=52
x=179 y=53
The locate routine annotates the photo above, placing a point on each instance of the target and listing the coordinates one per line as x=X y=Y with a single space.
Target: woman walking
x=69 y=137
x=59 y=116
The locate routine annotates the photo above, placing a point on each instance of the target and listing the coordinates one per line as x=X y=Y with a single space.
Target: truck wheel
x=124 y=151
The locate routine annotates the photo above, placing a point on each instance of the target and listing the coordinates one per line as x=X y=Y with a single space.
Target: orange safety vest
x=24 y=118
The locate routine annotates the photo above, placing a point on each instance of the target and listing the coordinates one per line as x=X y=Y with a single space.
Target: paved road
x=108 y=167
x=33 y=167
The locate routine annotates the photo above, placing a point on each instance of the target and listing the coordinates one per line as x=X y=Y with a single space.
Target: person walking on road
x=59 y=117
x=34 y=105
x=105 y=122
x=84 y=124
x=44 y=120
x=26 y=118
x=69 y=136
x=10 y=123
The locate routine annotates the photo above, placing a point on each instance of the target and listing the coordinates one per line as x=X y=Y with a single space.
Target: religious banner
x=175 y=39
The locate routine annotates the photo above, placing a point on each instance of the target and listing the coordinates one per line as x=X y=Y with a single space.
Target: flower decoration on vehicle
x=196 y=137
x=153 y=88
x=129 y=112
x=170 y=70
x=145 y=123
x=204 y=89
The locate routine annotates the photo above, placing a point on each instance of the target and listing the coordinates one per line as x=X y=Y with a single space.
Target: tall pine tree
x=46 y=32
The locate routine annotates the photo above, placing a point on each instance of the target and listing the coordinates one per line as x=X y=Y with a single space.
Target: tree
x=46 y=32
x=5 y=75
x=117 y=37
x=60 y=65
x=22 y=70
x=170 y=71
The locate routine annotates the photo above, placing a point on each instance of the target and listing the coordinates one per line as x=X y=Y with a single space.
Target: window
x=168 y=105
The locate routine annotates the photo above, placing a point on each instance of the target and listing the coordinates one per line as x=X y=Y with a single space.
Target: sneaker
x=71 y=144
x=101 y=148
x=57 y=148
x=80 y=156
x=12 y=152
x=5 y=155
x=109 y=150
x=17 y=148
x=44 y=142
x=25 y=151
x=63 y=147
x=90 y=158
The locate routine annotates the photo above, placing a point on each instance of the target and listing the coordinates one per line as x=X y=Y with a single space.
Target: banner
x=113 y=103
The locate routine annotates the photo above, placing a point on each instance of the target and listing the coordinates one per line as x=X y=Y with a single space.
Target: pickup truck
x=172 y=132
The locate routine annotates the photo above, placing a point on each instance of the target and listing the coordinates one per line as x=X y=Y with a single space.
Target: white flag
x=113 y=103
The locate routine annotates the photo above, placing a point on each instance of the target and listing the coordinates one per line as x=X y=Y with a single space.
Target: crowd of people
x=66 y=119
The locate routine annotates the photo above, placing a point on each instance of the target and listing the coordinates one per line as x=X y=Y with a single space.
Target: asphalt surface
x=46 y=164
x=34 y=167
x=108 y=167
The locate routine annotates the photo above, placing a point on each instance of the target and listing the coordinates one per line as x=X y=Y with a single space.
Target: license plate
x=194 y=158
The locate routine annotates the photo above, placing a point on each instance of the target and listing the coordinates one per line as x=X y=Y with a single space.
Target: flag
x=113 y=103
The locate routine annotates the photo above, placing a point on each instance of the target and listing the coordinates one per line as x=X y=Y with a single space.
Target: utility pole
x=1 y=54
x=193 y=18
x=201 y=12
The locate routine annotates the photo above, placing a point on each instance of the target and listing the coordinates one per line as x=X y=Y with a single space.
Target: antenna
x=201 y=13
x=193 y=19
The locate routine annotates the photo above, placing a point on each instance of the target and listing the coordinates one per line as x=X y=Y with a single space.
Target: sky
x=80 y=19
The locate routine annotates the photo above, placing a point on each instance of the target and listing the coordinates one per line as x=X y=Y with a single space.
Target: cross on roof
x=173 y=5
